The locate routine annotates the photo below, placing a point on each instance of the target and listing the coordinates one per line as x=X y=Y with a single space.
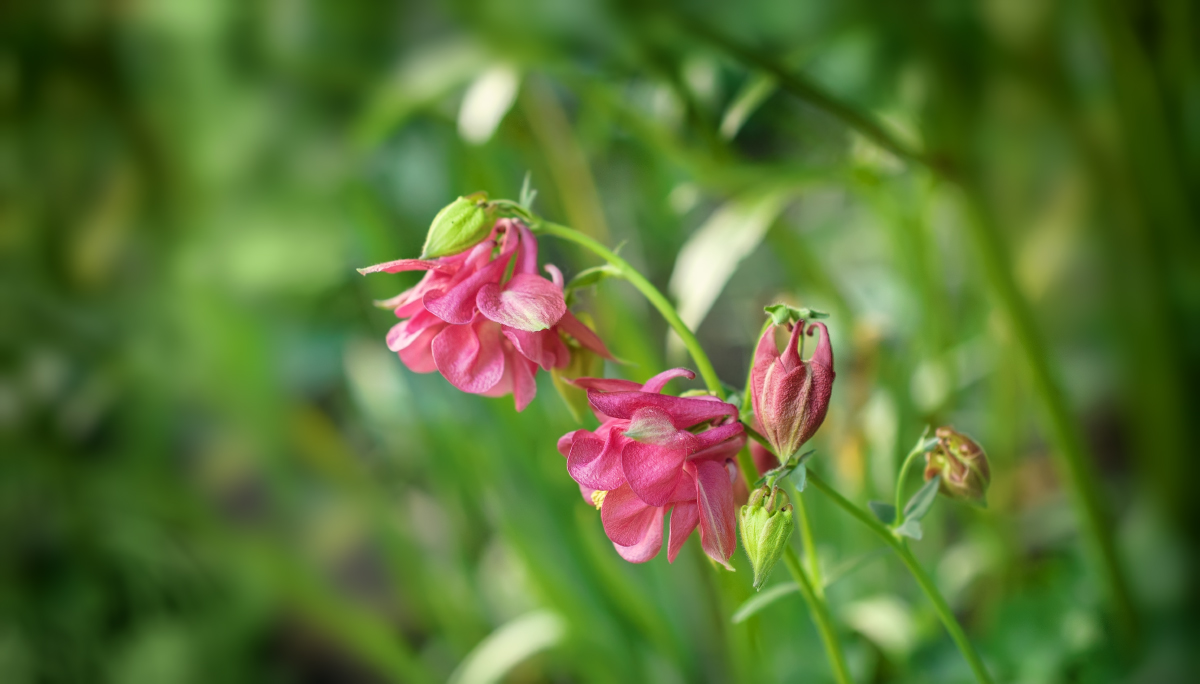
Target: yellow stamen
x=598 y=498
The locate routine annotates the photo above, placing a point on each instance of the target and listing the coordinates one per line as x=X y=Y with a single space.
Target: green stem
x=926 y=583
x=807 y=539
x=651 y=293
x=908 y=460
x=821 y=616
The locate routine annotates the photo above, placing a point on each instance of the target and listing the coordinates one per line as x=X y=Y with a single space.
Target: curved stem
x=809 y=542
x=821 y=616
x=651 y=293
x=912 y=455
x=923 y=580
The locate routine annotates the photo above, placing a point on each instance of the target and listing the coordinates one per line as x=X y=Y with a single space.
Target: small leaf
x=800 y=477
x=763 y=599
x=922 y=501
x=528 y=194
x=910 y=529
x=886 y=512
x=782 y=314
x=590 y=276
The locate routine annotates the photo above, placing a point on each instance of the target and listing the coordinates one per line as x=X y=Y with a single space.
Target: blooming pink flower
x=791 y=396
x=646 y=459
x=484 y=333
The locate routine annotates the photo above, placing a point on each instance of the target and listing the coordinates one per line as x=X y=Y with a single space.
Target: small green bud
x=962 y=464
x=459 y=226
x=766 y=524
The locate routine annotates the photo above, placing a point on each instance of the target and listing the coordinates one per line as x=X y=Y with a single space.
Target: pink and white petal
x=470 y=356
x=527 y=302
x=627 y=518
x=658 y=382
x=524 y=381
x=556 y=275
x=596 y=462
x=653 y=471
x=583 y=334
x=400 y=265
x=457 y=304
x=684 y=411
x=649 y=546
x=418 y=356
x=543 y=347
x=684 y=518
x=765 y=355
x=718 y=514
x=405 y=332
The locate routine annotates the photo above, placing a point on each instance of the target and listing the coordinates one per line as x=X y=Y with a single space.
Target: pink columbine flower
x=791 y=396
x=648 y=457
x=484 y=333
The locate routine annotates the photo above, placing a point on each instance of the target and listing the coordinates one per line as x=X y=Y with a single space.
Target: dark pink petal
x=418 y=356
x=823 y=355
x=544 y=347
x=658 y=382
x=653 y=471
x=524 y=382
x=684 y=518
x=649 y=546
x=457 y=304
x=565 y=442
x=527 y=302
x=607 y=384
x=556 y=275
x=790 y=358
x=470 y=356
x=407 y=265
x=596 y=462
x=718 y=517
x=527 y=253
x=684 y=411
x=717 y=435
x=627 y=518
x=720 y=452
x=575 y=328
x=765 y=354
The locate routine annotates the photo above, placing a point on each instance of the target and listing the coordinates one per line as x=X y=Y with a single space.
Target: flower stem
x=806 y=538
x=912 y=455
x=926 y=583
x=821 y=616
x=651 y=293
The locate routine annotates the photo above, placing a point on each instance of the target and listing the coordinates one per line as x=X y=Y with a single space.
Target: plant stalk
x=821 y=616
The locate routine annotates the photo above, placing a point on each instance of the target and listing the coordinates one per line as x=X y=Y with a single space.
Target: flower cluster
x=655 y=453
x=484 y=333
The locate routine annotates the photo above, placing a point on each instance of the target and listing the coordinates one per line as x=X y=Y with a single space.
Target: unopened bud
x=459 y=226
x=766 y=524
x=962 y=464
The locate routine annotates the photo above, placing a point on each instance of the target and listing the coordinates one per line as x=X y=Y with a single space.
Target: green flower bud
x=459 y=226
x=766 y=524
x=962 y=464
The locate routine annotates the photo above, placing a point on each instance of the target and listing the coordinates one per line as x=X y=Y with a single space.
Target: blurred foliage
x=211 y=468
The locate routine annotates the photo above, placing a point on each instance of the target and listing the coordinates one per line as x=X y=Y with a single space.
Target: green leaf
x=763 y=599
x=886 y=512
x=782 y=314
x=922 y=501
x=910 y=529
x=590 y=276
x=528 y=194
x=800 y=477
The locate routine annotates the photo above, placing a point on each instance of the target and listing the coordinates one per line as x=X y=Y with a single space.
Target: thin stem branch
x=923 y=580
x=821 y=616
x=651 y=293
x=908 y=461
x=809 y=542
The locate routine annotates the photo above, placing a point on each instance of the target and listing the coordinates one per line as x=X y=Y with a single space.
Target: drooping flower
x=485 y=333
x=962 y=464
x=790 y=396
x=653 y=453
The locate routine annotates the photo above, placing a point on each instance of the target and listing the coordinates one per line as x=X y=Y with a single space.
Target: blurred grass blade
x=763 y=599
x=486 y=102
x=746 y=102
x=508 y=646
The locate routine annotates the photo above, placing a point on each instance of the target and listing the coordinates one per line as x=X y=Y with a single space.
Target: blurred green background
x=212 y=469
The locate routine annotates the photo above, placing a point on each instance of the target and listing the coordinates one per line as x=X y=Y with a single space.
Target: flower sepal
x=459 y=226
x=766 y=523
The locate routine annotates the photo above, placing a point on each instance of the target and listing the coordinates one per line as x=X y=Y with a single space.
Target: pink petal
x=684 y=518
x=720 y=452
x=764 y=460
x=684 y=411
x=823 y=355
x=648 y=547
x=407 y=265
x=654 y=471
x=527 y=302
x=565 y=442
x=717 y=435
x=651 y=425
x=418 y=356
x=544 y=347
x=658 y=382
x=405 y=332
x=470 y=356
x=627 y=518
x=556 y=275
x=586 y=493
x=791 y=353
x=583 y=334
x=596 y=462
x=524 y=382
x=714 y=494
x=457 y=304
x=765 y=355
x=528 y=251
x=607 y=384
